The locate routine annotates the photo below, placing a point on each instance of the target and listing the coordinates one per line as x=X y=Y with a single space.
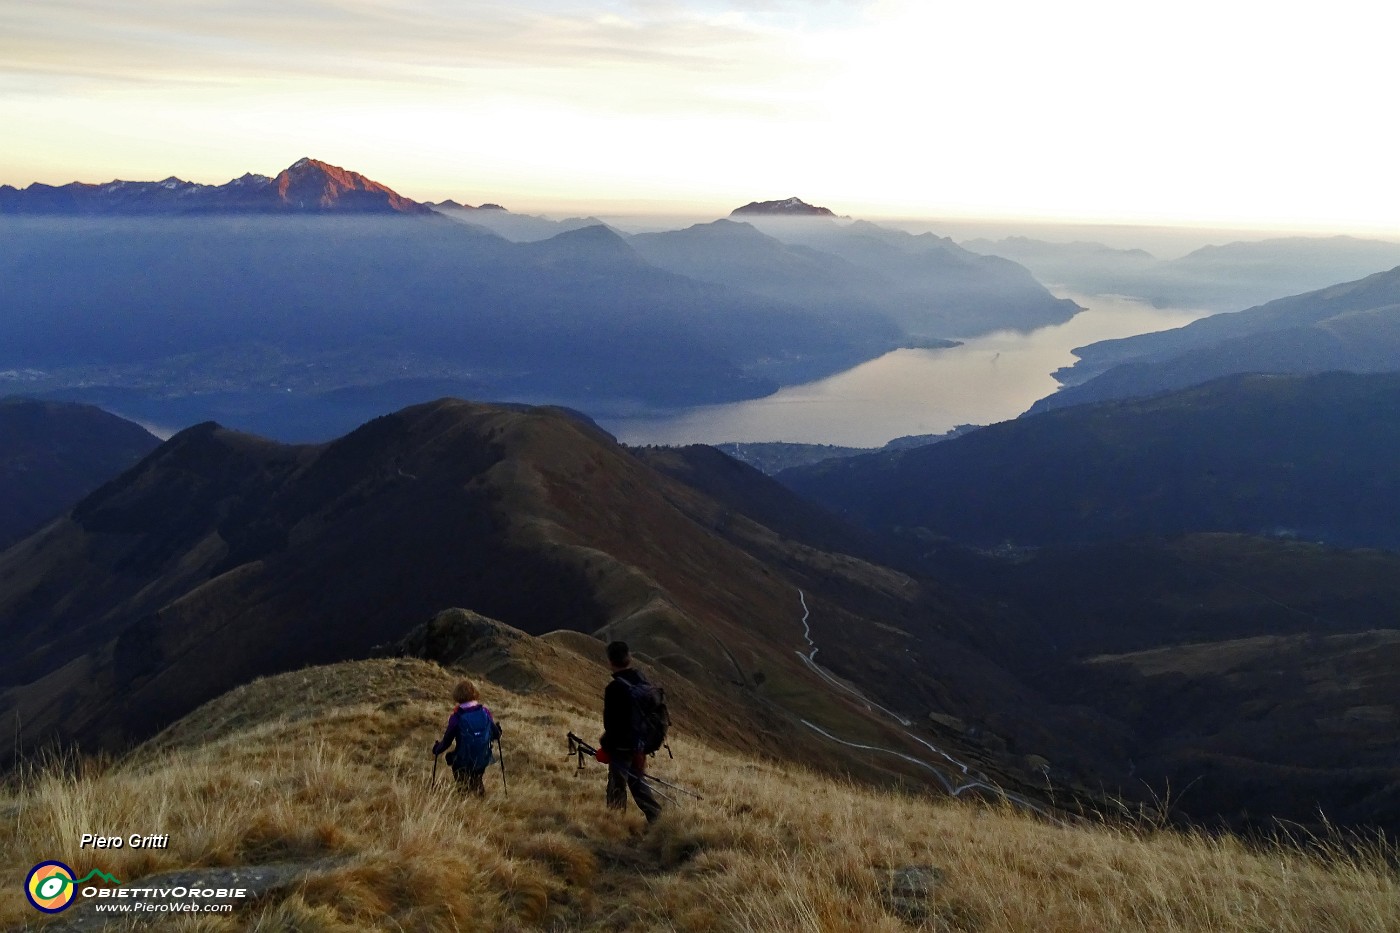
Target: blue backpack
x=475 y=733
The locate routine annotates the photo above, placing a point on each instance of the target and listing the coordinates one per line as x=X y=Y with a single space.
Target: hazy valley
x=304 y=314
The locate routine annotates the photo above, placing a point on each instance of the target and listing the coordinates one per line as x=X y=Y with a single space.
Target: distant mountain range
x=929 y=285
x=726 y=250
x=1353 y=327
x=263 y=321
x=519 y=228
x=297 y=306
x=454 y=205
x=1307 y=457
x=307 y=186
x=1226 y=277
x=52 y=454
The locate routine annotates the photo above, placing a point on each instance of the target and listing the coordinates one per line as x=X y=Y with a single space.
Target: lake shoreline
x=905 y=392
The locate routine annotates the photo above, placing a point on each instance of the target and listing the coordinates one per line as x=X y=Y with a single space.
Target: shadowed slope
x=52 y=454
x=1306 y=456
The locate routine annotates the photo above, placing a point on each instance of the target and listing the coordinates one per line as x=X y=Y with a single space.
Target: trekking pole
x=656 y=780
x=578 y=747
x=433 y=782
x=665 y=796
x=501 y=748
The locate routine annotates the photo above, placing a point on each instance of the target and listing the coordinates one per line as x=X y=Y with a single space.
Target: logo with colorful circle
x=51 y=887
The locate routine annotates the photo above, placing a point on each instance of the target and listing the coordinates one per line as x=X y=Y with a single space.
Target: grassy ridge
x=338 y=781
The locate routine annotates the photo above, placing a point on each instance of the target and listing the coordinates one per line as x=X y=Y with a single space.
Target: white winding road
x=953 y=788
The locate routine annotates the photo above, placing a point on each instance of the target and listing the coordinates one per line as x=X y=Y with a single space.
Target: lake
x=987 y=379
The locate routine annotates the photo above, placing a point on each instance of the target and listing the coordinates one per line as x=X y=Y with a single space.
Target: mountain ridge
x=1297 y=455
x=1351 y=326
x=931 y=287
x=1218 y=277
x=224 y=545
x=306 y=186
x=786 y=207
x=52 y=454
x=821 y=642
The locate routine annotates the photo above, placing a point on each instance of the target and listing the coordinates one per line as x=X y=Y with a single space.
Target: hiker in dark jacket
x=472 y=727
x=627 y=761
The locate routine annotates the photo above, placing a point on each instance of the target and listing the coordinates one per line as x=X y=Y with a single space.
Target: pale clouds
x=1086 y=108
x=436 y=97
x=407 y=41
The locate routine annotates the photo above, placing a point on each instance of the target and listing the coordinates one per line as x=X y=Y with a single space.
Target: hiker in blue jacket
x=472 y=727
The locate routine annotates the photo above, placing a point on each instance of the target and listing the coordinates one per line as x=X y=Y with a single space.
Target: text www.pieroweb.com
x=164 y=900
x=139 y=907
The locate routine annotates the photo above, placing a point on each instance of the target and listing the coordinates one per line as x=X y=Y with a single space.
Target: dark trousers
x=470 y=781
x=625 y=775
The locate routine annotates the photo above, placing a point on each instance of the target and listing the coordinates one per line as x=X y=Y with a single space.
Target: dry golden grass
x=330 y=766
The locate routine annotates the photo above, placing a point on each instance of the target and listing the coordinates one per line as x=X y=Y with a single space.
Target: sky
x=1228 y=112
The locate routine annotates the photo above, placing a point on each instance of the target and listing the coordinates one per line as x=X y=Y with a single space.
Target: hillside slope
x=223 y=557
x=1353 y=327
x=52 y=454
x=269 y=557
x=1260 y=673
x=1154 y=560
x=1305 y=456
x=314 y=788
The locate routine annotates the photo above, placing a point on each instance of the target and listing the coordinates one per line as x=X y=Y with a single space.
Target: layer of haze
x=1245 y=113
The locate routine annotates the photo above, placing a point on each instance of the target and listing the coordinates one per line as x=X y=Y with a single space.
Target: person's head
x=618 y=655
x=465 y=692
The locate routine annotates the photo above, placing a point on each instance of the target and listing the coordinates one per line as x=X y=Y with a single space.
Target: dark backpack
x=650 y=720
x=475 y=733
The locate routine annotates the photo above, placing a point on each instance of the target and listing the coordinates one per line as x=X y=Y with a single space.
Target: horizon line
x=639 y=208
